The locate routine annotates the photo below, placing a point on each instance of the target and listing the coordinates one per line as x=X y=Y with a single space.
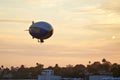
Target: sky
x=84 y=30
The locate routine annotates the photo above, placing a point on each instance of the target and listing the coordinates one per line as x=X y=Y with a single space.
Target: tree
x=57 y=69
x=104 y=60
x=106 y=65
x=94 y=68
x=2 y=67
x=89 y=62
x=115 y=70
x=79 y=70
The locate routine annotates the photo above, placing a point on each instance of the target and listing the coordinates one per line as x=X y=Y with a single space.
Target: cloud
x=112 y=48
x=104 y=27
x=43 y=3
x=103 y=31
x=111 y=6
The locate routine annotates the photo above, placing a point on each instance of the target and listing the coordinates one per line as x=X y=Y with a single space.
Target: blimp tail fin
x=33 y=22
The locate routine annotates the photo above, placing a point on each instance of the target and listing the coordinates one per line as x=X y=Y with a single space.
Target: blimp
x=40 y=30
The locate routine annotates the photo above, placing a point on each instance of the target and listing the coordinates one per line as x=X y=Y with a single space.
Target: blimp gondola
x=40 y=30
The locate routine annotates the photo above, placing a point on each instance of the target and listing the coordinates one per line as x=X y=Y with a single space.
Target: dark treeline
x=97 y=68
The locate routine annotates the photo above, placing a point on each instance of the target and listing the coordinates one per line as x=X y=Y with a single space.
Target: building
x=98 y=77
x=72 y=79
x=102 y=77
x=48 y=75
x=111 y=78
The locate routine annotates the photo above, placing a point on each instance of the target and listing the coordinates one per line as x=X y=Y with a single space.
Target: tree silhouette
x=79 y=70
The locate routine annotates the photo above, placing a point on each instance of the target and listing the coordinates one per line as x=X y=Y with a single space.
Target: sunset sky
x=84 y=30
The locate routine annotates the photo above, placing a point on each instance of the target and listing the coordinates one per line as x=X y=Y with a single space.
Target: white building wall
x=98 y=77
x=72 y=78
x=111 y=78
x=49 y=77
